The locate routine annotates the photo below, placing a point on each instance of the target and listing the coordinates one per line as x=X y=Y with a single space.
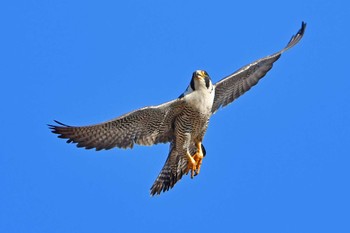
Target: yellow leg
x=194 y=162
x=191 y=164
x=198 y=157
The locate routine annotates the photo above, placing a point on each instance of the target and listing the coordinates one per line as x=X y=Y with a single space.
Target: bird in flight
x=181 y=122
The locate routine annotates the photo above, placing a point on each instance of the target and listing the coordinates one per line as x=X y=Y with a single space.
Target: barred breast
x=198 y=111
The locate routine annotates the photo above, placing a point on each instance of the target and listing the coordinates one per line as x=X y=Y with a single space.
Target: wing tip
x=59 y=129
x=55 y=127
x=301 y=31
x=297 y=37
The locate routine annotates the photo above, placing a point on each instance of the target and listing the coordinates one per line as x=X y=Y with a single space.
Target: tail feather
x=174 y=168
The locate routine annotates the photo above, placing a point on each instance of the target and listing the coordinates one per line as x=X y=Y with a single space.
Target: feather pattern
x=174 y=168
x=146 y=126
x=182 y=122
x=233 y=86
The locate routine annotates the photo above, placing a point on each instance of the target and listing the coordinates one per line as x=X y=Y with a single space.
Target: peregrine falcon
x=181 y=122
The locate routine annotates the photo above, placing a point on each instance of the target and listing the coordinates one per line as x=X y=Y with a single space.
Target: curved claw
x=191 y=165
x=195 y=161
x=198 y=158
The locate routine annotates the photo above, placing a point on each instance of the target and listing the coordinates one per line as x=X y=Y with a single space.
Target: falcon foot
x=194 y=162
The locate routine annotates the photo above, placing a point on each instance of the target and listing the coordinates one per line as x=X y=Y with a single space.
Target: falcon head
x=200 y=80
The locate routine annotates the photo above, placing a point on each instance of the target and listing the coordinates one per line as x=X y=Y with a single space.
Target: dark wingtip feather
x=302 y=29
x=55 y=128
x=297 y=37
x=60 y=123
x=303 y=26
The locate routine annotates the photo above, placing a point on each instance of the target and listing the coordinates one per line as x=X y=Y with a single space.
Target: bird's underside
x=181 y=122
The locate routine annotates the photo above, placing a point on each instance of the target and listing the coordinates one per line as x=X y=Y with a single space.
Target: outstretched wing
x=174 y=168
x=146 y=126
x=236 y=84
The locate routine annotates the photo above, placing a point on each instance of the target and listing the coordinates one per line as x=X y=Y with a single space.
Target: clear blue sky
x=277 y=158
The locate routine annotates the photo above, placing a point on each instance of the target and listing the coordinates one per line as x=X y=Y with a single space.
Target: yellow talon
x=195 y=161
x=198 y=157
x=191 y=164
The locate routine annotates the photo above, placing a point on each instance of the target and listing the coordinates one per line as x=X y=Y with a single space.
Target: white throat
x=201 y=99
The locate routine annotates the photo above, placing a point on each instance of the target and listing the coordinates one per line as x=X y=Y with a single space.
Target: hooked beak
x=200 y=74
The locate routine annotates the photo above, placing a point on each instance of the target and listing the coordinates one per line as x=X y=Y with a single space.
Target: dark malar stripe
x=192 y=83
x=207 y=81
